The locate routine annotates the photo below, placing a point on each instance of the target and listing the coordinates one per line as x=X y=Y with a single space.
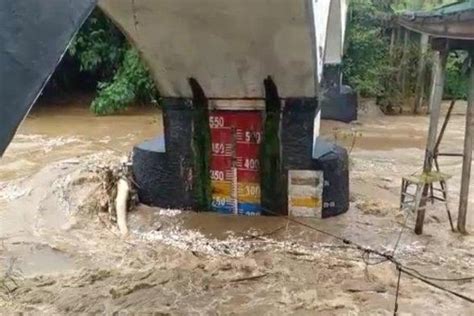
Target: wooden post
x=467 y=157
x=437 y=87
x=420 y=82
x=392 y=42
x=399 y=34
x=433 y=73
x=405 y=63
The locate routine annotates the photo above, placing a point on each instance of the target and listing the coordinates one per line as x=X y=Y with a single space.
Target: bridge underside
x=199 y=53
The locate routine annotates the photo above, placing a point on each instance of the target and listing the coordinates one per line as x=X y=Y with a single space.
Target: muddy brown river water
x=57 y=256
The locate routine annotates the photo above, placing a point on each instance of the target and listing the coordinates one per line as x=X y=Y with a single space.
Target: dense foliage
x=130 y=83
x=99 y=47
x=366 y=61
x=373 y=62
x=121 y=78
x=457 y=77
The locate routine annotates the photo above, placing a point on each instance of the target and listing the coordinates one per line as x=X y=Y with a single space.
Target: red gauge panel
x=235 y=165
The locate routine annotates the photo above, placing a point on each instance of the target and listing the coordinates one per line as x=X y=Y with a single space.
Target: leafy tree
x=131 y=82
x=102 y=51
x=457 y=81
x=366 y=61
x=99 y=47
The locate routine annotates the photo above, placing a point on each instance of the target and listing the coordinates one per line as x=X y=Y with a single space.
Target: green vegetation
x=99 y=47
x=457 y=78
x=201 y=148
x=101 y=53
x=130 y=83
x=366 y=62
x=270 y=151
x=374 y=60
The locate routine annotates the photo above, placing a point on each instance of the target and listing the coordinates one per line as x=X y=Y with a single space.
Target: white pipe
x=123 y=190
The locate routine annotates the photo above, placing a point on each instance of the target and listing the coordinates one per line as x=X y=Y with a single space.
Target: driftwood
x=119 y=193
x=249 y=278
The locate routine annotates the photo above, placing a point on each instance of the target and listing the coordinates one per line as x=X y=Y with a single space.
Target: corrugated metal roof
x=452 y=21
x=455 y=7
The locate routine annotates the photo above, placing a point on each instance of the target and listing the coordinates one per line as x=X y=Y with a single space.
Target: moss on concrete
x=201 y=149
x=270 y=152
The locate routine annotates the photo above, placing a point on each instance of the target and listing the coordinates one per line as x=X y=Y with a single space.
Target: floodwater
x=66 y=128
x=58 y=256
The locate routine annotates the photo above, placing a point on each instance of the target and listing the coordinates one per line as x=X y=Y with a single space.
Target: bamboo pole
x=443 y=128
x=467 y=159
x=437 y=87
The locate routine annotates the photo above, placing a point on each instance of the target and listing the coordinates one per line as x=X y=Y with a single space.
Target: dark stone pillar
x=296 y=139
x=165 y=178
x=339 y=102
x=298 y=152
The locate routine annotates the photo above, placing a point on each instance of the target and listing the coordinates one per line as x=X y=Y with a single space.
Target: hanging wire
x=387 y=257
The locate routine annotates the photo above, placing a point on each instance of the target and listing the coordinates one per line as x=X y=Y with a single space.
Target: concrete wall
x=321 y=19
x=336 y=32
